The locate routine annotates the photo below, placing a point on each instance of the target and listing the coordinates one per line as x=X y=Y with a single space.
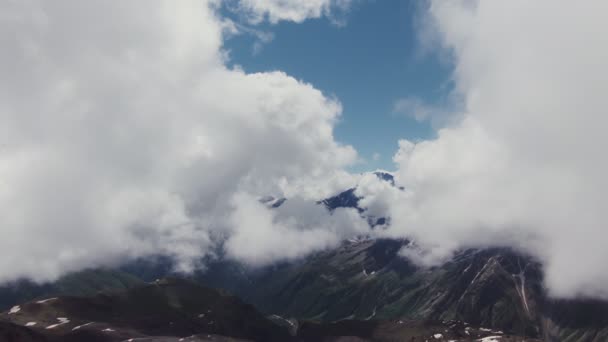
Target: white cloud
x=291 y=10
x=526 y=166
x=295 y=229
x=124 y=134
x=376 y=195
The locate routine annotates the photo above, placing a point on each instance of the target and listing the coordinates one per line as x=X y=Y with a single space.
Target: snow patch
x=62 y=321
x=490 y=339
x=30 y=324
x=82 y=326
x=438 y=336
x=46 y=300
x=372 y=315
x=283 y=319
x=14 y=310
x=521 y=291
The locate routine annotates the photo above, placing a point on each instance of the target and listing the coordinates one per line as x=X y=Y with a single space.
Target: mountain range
x=363 y=290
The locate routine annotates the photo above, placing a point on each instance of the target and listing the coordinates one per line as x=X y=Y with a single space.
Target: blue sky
x=368 y=63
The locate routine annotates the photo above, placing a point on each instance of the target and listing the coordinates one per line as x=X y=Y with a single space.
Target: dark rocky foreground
x=178 y=310
x=165 y=308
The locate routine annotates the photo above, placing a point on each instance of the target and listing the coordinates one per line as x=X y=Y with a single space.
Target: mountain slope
x=10 y=332
x=368 y=279
x=179 y=310
x=168 y=307
x=87 y=282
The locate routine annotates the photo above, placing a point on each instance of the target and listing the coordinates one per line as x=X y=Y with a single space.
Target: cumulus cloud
x=123 y=134
x=291 y=10
x=292 y=231
x=377 y=196
x=525 y=166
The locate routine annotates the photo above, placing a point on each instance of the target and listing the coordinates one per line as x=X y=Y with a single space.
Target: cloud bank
x=123 y=134
x=526 y=165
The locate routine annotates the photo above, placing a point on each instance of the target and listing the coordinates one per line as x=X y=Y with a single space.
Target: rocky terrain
x=166 y=308
x=179 y=310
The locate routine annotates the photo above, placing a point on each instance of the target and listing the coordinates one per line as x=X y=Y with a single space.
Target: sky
x=153 y=127
x=369 y=59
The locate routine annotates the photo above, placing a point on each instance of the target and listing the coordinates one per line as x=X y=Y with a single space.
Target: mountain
x=345 y=199
x=367 y=279
x=167 y=307
x=178 y=310
x=364 y=279
x=575 y=320
x=87 y=282
x=363 y=288
x=364 y=283
x=10 y=332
